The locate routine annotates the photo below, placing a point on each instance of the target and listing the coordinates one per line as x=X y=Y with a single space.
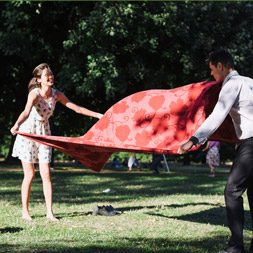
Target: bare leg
x=47 y=189
x=212 y=170
x=26 y=188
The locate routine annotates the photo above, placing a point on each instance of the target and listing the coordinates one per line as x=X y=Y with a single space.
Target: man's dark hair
x=223 y=56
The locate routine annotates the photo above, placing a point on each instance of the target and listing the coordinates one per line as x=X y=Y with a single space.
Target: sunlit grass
x=182 y=211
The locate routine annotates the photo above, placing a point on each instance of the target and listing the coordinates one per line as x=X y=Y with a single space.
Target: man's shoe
x=105 y=211
x=111 y=209
x=102 y=210
x=95 y=211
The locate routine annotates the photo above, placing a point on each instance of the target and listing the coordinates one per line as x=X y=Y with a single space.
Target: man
x=235 y=99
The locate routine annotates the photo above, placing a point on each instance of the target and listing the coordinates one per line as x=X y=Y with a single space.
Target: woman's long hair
x=37 y=72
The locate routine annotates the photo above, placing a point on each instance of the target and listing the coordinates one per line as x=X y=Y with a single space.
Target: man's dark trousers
x=240 y=179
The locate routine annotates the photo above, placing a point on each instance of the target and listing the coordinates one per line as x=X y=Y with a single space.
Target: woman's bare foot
x=51 y=217
x=26 y=216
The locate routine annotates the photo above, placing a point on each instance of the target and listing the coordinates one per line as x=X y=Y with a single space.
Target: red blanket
x=152 y=121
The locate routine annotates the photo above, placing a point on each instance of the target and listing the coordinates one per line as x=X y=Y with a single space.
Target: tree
x=101 y=52
x=126 y=47
x=31 y=33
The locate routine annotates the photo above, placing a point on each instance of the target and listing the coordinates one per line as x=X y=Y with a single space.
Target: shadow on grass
x=166 y=206
x=135 y=208
x=82 y=187
x=131 y=245
x=213 y=216
x=10 y=230
x=65 y=215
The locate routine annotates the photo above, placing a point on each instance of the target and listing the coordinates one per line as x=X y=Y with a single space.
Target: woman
x=34 y=119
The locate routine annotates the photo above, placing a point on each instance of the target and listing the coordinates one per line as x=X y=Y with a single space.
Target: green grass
x=179 y=212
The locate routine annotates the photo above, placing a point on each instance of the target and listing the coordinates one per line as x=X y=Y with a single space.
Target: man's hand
x=185 y=147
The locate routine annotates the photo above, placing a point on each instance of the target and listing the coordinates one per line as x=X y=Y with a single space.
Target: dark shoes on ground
x=105 y=211
x=155 y=171
x=237 y=249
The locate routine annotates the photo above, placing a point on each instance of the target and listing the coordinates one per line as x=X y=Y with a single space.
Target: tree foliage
x=101 y=52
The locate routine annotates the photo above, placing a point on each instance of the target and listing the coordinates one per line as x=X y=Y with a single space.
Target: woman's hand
x=99 y=115
x=14 y=129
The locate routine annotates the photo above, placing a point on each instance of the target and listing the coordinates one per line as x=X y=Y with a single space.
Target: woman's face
x=47 y=77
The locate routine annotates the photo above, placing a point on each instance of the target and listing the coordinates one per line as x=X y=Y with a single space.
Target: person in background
x=212 y=156
x=125 y=162
x=156 y=163
x=40 y=105
x=235 y=99
x=133 y=162
x=115 y=163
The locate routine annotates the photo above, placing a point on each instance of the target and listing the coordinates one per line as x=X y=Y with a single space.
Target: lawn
x=182 y=212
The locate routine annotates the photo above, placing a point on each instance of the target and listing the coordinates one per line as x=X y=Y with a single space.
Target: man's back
x=242 y=109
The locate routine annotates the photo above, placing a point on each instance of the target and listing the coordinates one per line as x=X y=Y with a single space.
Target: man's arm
x=227 y=98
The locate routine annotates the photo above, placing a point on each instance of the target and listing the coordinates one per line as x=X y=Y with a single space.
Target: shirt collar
x=233 y=73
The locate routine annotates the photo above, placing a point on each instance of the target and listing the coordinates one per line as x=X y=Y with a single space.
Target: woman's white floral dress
x=37 y=123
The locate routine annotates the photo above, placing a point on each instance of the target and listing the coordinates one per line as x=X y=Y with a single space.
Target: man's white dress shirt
x=235 y=99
